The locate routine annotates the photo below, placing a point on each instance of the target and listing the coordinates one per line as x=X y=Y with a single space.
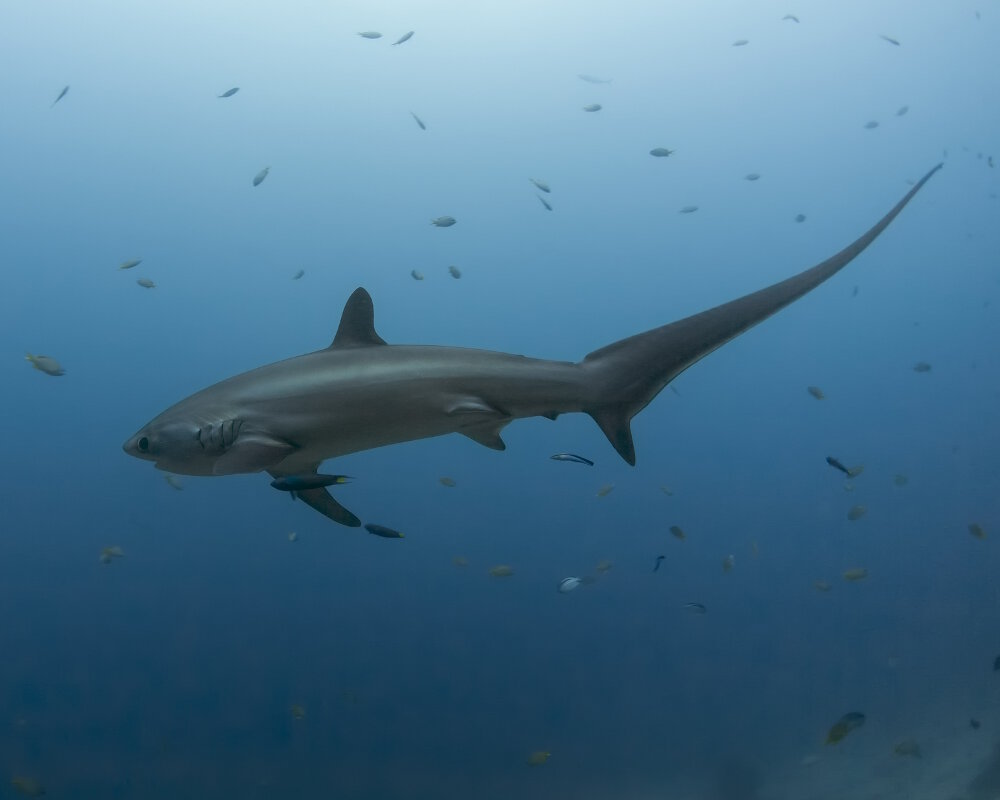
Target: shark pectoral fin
x=615 y=422
x=251 y=453
x=321 y=500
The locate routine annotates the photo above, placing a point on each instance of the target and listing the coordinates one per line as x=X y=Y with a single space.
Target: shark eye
x=143 y=445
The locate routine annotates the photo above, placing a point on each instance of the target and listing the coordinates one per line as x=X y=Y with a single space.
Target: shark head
x=187 y=443
x=174 y=445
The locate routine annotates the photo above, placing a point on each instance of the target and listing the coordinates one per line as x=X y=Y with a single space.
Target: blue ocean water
x=173 y=670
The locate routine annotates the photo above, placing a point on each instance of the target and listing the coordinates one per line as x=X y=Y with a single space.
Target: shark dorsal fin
x=357 y=323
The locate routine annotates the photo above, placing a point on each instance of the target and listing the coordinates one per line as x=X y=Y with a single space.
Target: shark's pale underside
x=360 y=393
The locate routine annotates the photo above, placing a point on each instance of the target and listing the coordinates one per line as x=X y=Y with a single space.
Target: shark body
x=360 y=393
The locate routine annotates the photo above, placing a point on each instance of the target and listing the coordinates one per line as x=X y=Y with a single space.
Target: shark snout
x=137 y=446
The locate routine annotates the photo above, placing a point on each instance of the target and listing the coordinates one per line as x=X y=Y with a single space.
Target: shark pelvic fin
x=487 y=435
x=482 y=422
x=357 y=323
x=251 y=453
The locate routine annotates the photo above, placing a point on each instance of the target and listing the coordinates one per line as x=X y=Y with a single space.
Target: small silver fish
x=455 y=272
x=258 y=179
x=548 y=206
x=229 y=92
x=443 y=222
x=741 y=42
x=791 y=17
x=800 y=217
x=62 y=94
x=688 y=210
x=132 y=262
x=902 y=110
x=419 y=121
x=542 y=185
x=45 y=364
x=572 y=457
x=889 y=39
x=753 y=176
x=416 y=275
x=567 y=585
x=872 y=125
x=146 y=283
x=593 y=107
x=593 y=79
x=404 y=38
x=298 y=275
x=660 y=152
x=370 y=35
x=696 y=608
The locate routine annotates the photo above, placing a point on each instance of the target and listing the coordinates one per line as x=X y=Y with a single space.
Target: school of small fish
x=847 y=724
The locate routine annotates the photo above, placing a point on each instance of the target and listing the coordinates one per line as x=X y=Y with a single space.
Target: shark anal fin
x=321 y=501
x=357 y=323
x=615 y=422
x=251 y=453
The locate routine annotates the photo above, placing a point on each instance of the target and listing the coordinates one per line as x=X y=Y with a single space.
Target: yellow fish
x=501 y=571
x=977 y=530
x=844 y=725
x=109 y=553
x=29 y=787
x=855 y=574
x=539 y=757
